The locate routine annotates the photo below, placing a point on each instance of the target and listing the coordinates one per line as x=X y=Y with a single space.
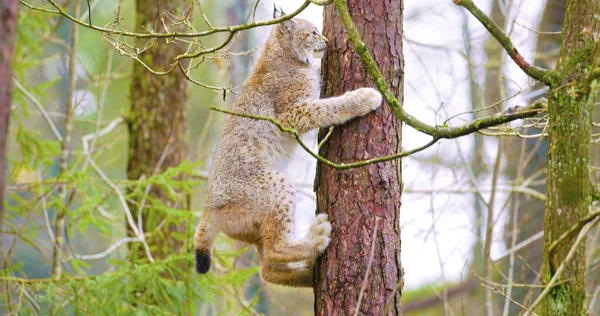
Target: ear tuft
x=277 y=13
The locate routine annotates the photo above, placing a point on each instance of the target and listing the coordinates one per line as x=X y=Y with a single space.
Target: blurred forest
x=85 y=233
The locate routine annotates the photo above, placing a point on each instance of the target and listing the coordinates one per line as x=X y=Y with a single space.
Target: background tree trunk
x=157 y=126
x=568 y=184
x=355 y=198
x=8 y=25
x=493 y=92
x=525 y=158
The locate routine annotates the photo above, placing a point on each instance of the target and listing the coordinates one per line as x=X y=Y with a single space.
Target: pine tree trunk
x=363 y=201
x=570 y=108
x=157 y=127
x=8 y=27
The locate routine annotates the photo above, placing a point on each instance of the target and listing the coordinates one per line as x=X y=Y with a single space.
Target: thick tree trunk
x=570 y=109
x=157 y=127
x=8 y=27
x=362 y=203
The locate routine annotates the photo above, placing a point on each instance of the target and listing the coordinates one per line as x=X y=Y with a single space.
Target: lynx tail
x=202 y=260
x=203 y=241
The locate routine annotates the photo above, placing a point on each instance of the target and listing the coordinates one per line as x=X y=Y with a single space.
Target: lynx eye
x=314 y=32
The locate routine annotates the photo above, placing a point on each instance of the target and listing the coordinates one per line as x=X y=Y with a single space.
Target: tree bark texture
x=355 y=198
x=570 y=108
x=8 y=27
x=157 y=127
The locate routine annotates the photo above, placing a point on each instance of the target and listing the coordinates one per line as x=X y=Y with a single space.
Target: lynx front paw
x=368 y=99
x=373 y=98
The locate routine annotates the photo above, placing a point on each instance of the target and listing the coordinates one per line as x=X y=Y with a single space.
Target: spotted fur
x=250 y=197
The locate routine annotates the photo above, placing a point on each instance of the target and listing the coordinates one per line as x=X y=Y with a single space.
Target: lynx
x=249 y=196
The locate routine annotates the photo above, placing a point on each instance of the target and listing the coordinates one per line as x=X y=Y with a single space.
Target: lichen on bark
x=570 y=109
x=157 y=126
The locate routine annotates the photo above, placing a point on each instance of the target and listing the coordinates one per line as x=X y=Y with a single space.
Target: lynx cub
x=249 y=196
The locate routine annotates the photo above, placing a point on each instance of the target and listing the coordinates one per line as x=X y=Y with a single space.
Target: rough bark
x=355 y=198
x=569 y=129
x=8 y=25
x=157 y=126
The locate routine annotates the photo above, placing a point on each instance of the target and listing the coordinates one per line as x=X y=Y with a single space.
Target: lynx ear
x=286 y=26
x=277 y=13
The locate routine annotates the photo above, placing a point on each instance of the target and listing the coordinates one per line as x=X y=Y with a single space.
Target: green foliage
x=98 y=277
x=159 y=288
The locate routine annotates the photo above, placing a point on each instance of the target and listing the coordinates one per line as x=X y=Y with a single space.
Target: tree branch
x=570 y=233
x=169 y=35
x=437 y=132
x=595 y=74
x=541 y=74
x=321 y=159
x=555 y=278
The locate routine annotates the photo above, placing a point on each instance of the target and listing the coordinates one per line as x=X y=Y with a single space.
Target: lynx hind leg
x=282 y=274
x=278 y=227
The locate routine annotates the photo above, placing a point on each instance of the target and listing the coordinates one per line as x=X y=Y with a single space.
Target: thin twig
x=40 y=108
x=85 y=140
x=170 y=35
x=372 y=254
x=109 y=250
x=322 y=142
x=520 y=246
x=582 y=233
x=499 y=291
x=567 y=235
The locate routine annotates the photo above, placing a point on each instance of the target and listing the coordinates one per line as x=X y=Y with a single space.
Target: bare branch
x=555 y=278
x=171 y=35
x=501 y=292
x=570 y=233
x=364 y=284
x=437 y=132
x=40 y=108
x=544 y=75
x=321 y=159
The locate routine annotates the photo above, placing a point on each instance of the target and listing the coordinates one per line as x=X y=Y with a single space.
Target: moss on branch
x=294 y=132
x=543 y=75
x=434 y=131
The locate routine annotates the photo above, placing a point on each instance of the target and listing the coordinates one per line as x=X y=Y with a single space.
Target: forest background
x=65 y=240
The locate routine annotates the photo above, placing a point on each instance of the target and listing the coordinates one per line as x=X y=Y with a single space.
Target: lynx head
x=304 y=37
